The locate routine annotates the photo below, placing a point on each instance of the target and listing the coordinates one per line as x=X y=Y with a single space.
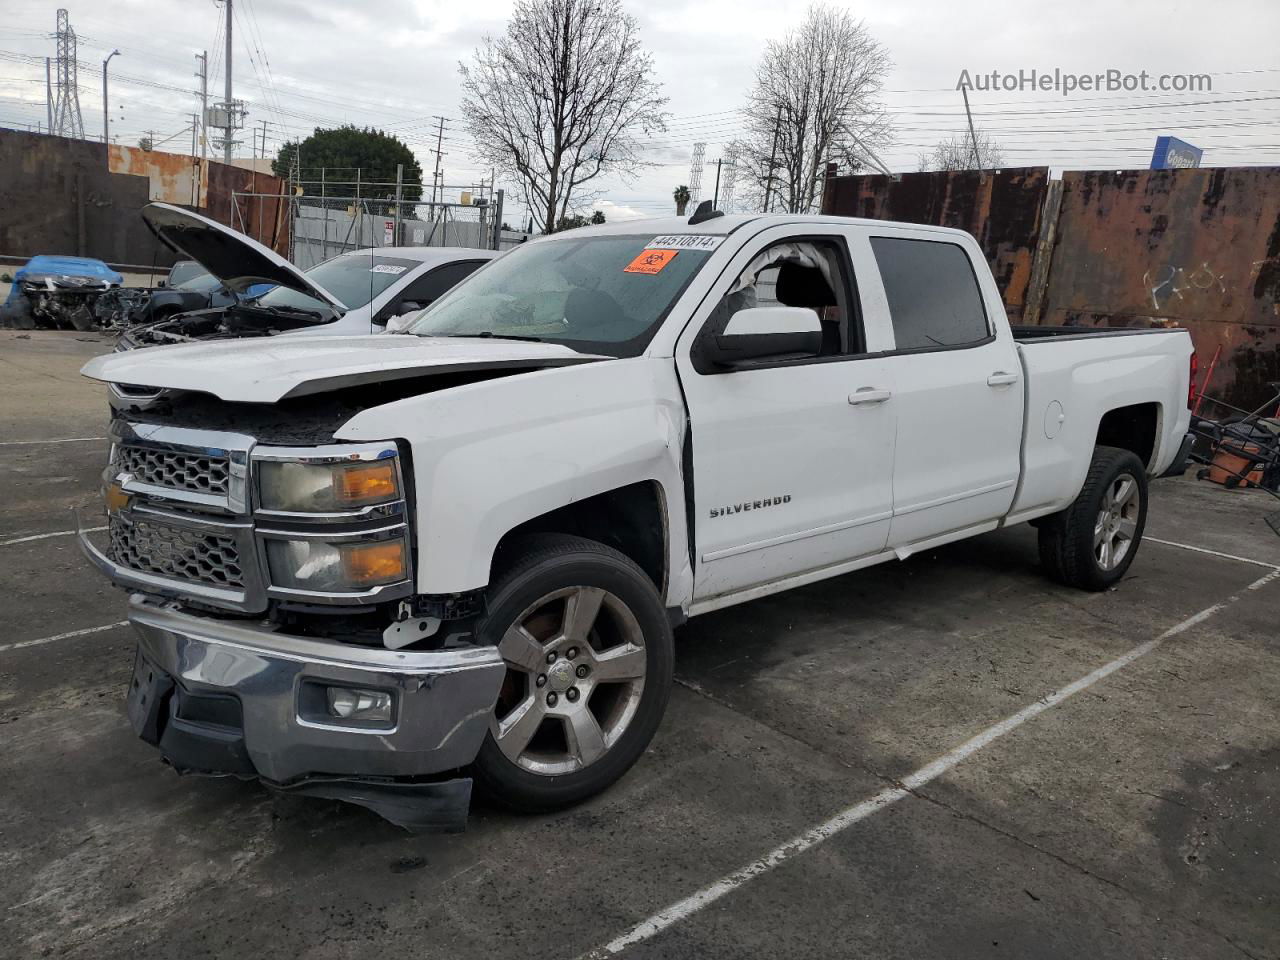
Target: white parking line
x=46 y=536
x=18 y=443
x=62 y=636
x=1214 y=553
x=690 y=905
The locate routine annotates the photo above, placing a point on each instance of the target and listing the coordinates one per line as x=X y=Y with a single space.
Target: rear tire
x=1091 y=544
x=589 y=658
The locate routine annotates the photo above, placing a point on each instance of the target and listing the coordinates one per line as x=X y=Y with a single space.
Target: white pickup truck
x=377 y=568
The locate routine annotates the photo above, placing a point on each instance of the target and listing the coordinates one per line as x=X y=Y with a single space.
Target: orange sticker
x=650 y=261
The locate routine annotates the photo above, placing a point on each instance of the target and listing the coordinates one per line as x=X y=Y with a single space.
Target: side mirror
x=759 y=333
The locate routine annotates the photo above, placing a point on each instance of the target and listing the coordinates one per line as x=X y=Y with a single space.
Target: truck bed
x=1070 y=388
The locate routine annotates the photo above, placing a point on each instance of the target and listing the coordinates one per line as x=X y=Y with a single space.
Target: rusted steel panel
x=76 y=197
x=59 y=197
x=171 y=176
x=1198 y=248
x=266 y=219
x=1001 y=209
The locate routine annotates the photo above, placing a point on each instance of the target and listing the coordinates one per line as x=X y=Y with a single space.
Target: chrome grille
x=166 y=551
x=179 y=471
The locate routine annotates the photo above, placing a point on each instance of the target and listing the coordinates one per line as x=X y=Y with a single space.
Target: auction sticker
x=388 y=268
x=685 y=241
x=650 y=261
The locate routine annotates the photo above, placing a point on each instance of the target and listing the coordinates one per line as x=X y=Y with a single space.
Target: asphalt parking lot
x=950 y=757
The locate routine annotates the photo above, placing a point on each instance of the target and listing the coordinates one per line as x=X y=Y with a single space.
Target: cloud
x=618 y=211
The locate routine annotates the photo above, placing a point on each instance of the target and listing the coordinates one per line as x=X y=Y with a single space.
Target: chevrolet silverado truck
x=385 y=568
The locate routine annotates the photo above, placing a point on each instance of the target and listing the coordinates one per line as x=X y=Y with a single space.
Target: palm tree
x=682 y=199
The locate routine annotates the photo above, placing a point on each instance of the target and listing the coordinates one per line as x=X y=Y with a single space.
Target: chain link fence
x=323 y=225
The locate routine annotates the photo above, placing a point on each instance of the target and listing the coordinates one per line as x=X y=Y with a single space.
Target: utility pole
x=399 y=198
x=195 y=183
x=226 y=143
x=773 y=160
x=264 y=139
x=203 y=74
x=973 y=137
x=106 y=116
x=48 y=93
x=435 y=177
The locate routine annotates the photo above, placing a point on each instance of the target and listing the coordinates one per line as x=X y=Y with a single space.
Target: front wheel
x=1092 y=543
x=589 y=656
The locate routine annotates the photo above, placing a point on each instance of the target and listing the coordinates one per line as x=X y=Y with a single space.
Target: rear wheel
x=1092 y=543
x=588 y=649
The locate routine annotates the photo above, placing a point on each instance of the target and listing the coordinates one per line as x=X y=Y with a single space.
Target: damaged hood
x=238 y=261
x=266 y=371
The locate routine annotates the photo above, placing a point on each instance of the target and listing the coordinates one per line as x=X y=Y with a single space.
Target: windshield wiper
x=490 y=335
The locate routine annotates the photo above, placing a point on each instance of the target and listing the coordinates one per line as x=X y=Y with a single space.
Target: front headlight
x=294 y=487
x=316 y=565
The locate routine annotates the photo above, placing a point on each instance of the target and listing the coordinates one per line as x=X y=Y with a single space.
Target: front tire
x=1092 y=543
x=589 y=659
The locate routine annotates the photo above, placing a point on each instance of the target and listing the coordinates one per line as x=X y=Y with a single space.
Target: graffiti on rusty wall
x=1198 y=248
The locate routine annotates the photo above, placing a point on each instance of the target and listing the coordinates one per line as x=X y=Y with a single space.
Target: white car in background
x=351 y=294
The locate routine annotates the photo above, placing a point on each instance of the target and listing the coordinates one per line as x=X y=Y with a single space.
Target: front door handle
x=1001 y=379
x=865 y=395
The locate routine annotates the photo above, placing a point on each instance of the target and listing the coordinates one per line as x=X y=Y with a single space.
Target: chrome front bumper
x=442 y=699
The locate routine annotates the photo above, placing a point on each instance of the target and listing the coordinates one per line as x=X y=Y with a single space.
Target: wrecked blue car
x=58 y=293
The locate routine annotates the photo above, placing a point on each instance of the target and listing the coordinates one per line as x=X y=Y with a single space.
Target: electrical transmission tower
x=729 y=175
x=66 y=120
x=695 y=173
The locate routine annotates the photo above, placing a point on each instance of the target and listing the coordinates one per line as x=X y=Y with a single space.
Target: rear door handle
x=866 y=395
x=1001 y=379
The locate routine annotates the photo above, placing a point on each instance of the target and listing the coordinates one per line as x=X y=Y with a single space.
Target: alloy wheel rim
x=1117 y=525
x=575 y=673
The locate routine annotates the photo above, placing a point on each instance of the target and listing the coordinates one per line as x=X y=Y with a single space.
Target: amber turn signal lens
x=116 y=498
x=366 y=564
x=365 y=483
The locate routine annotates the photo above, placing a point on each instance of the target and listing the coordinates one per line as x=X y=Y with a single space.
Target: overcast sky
x=394 y=64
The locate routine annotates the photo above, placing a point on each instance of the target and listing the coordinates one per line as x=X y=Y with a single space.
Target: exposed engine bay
x=219 y=323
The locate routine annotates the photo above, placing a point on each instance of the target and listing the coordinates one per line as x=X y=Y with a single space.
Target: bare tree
x=957 y=153
x=815 y=100
x=561 y=99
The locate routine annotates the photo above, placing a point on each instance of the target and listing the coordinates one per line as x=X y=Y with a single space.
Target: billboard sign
x=1172 y=154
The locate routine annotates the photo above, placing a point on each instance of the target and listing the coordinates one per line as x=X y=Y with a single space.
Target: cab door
x=958 y=395
x=792 y=461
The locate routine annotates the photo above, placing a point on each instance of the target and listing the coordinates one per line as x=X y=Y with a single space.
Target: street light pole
x=106 y=114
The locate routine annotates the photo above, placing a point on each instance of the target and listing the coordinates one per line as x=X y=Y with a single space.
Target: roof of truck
x=727 y=224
